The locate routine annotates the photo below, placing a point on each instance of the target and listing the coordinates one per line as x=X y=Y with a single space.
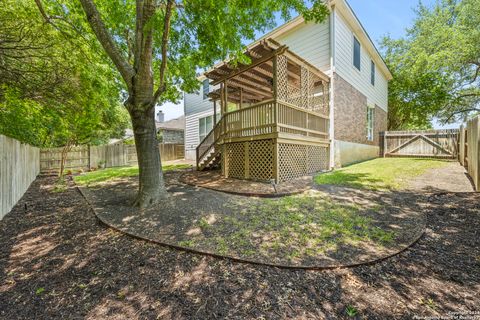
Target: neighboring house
x=357 y=89
x=172 y=131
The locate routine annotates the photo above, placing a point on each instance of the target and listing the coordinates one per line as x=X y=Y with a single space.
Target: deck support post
x=214 y=112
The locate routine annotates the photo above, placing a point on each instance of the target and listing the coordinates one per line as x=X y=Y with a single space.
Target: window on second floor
x=370 y=123
x=206 y=88
x=372 y=73
x=356 y=53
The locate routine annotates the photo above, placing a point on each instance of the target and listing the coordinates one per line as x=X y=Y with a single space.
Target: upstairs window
x=370 y=123
x=206 y=88
x=356 y=53
x=372 y=75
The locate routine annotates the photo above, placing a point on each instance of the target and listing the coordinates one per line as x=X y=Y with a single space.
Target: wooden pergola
x=274 y=111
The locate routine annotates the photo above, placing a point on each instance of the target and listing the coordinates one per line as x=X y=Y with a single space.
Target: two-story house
x=356 y=83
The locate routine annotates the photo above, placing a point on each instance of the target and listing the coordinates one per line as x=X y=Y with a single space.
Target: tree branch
x=461 y=111
x=163 y=66
x=106 y=40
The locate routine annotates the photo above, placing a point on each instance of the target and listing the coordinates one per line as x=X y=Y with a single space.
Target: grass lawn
x=380 y=174
x=294 y=227
x=91 y=178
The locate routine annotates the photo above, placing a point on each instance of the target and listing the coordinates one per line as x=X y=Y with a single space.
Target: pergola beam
x=254 y=63
x=247 y=88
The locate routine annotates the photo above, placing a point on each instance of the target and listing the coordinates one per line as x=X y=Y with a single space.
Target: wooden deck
x=274 y=122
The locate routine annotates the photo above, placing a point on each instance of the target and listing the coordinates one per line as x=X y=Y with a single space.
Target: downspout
x=332 y=88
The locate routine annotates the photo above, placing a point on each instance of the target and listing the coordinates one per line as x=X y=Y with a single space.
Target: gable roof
x=345 y=9
x=174 y=124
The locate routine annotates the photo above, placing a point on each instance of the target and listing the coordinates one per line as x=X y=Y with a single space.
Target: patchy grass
x=94 y=177
x=380 y=174
x=296 y=227
x=60 y=185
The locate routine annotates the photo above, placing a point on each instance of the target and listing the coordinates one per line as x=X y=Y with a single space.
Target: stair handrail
x=217 y=134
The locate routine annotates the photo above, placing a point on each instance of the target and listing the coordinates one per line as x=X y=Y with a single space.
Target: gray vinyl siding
x=376 y=94
x=311 y=41
x=191 y=133
x=195 y=103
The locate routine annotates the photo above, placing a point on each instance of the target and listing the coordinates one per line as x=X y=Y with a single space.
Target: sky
x=379 y=18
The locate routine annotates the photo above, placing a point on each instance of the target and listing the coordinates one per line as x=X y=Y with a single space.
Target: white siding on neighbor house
x=376 y=94
x=191 y=132
x=311 y=41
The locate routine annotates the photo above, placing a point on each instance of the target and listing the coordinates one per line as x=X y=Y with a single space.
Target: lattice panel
x=305 y=86
x=292 y=161
x=317 y=158
x=294 y=96
x=261 y=159
x=282 y=78
x=235 y=160
x=299 y=160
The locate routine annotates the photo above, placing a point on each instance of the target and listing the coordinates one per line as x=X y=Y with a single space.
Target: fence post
x=384 y=143
x=89 y=159
x=461 y=146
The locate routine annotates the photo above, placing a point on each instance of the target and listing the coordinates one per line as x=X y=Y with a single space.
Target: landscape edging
x=252 y=262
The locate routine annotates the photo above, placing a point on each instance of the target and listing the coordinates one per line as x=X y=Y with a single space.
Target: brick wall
x=380 y=123
x=351 y=114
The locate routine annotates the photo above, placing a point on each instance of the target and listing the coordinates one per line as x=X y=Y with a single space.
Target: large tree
x=436 y=67
x=55 y=90
x=158 y=46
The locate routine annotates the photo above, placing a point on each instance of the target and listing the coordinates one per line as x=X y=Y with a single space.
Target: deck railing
x=298 y=121
x=208 y=143
x=251 y=121
x=268 y=117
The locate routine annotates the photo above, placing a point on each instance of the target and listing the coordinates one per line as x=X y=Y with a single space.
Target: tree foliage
x=436 y=67
x=55 y=89
x=158 y=46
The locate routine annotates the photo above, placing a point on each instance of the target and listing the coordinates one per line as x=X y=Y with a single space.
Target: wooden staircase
x=208 y=151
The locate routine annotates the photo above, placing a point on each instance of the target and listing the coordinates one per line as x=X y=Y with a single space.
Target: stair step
x=210 y=161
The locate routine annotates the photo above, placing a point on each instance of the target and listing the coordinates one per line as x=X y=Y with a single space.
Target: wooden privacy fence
x=19 y=166
x=107 y=156
x=421 y=143
x=469 y=148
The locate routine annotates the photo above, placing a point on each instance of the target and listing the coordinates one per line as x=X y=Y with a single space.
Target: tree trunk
x=65 y=150
x=151 y=184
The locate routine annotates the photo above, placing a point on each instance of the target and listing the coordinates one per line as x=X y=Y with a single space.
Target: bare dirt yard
x=58 y=261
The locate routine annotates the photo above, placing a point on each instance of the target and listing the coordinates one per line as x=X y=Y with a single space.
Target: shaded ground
x=378 y=174
x=450 y=178
x=212 y=179
x=315 y=229
x=52 y=244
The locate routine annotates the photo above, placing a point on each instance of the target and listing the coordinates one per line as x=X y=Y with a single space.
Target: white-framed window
x=206 y=88
x=356 y=53
x=370 y=122
x=372 y=72
x=205 y=125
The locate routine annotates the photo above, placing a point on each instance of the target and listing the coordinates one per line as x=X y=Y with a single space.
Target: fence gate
x=424 y=143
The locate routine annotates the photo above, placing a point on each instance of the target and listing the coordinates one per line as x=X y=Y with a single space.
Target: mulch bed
x=177 y=223
x=212 y=179
x=87 y=271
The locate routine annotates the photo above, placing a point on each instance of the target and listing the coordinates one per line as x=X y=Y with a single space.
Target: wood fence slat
x=114 y=155
x=472 y=145
x=420 y=143
x=19 y=166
